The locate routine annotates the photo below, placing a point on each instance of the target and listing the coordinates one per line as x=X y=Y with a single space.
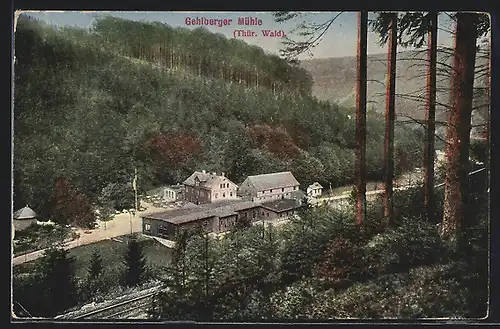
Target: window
x=223 y=195
x=283 y=189
x=230 y=193
x=267 y=214
x=147 y=227
x=295 y=188
x=227 y=185
x=162 y=231
x=271 y=191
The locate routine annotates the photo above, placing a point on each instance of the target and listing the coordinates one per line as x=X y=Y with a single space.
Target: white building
x=172 y=193
x=268 y=187
x=314 y=190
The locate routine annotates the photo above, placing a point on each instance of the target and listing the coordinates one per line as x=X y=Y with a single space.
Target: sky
x=339 y=41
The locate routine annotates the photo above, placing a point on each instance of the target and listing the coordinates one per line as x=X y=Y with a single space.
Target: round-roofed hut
x=23 y=218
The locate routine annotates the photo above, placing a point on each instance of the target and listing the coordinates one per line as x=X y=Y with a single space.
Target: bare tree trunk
x=361 y=117
x=430 y=113
x=390 y=95
x=458 y=130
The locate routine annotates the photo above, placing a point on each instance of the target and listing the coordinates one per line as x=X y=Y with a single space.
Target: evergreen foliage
x=135 y=264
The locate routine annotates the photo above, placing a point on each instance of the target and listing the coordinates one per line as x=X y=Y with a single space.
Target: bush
x=412 y=243
x=294 y=301
x=430 y=291
x=343 y=260
x=434 y=291
x=307 y=239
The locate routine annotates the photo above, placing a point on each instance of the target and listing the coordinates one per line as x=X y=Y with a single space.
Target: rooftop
x=216 y=209
x=206 y=179
x=274 y=180
x=24 y=213
x=315 y=185
x=281 y=205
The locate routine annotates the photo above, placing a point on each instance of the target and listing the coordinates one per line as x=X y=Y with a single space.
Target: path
x=121 y=224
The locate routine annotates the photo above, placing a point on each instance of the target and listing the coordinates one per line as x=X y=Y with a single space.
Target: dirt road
x=121 y=224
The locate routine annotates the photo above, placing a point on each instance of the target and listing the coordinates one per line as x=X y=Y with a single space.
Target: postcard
x=250 y=166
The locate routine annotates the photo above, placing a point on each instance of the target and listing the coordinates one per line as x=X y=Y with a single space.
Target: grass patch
x=112 y=253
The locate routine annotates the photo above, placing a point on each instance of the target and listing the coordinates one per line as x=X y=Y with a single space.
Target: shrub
x=434 y=291
x=294 y=301
x=342 y=260
x=307 y=239
x=428 y=291
x=412 y=243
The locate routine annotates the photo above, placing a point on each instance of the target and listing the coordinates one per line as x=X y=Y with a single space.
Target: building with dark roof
x=280 y=208
x=268 y=187
x=212 y=217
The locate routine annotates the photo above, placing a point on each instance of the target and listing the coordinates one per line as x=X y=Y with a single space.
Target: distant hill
x=335 y=81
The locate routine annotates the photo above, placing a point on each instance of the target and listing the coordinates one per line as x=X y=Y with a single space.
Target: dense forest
x=90 y=105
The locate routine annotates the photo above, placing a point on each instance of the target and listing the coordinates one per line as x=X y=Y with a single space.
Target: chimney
x=203 y=171
x=214 y=173
x=223 y=174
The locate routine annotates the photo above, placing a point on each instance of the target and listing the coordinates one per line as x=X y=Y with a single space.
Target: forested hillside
x=91 y=105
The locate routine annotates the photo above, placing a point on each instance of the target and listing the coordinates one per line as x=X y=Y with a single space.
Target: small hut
x=23 y=218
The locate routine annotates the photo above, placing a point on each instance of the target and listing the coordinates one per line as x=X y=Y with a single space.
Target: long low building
x=215 y=217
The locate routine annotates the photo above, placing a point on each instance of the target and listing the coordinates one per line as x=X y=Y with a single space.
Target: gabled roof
x=24 y=213
x=208 y=180
x=273 y=181
x=315 y=185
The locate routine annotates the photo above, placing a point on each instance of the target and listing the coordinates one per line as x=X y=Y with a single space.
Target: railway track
x=120 y=310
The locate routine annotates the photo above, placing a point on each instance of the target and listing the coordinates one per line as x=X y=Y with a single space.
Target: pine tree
x=95 y=268
x=430 y=110
x=361 y=117
x=390 y=117
x=135 y=263
x=173 y=303
x=93 y=284
x=458 y=129
x=58 y=280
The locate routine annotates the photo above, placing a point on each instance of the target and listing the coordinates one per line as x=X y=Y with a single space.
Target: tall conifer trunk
x=361 y=117
x=389 y=119
x=458 y=130
x=430 y=115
